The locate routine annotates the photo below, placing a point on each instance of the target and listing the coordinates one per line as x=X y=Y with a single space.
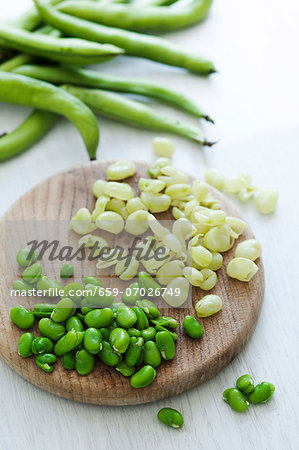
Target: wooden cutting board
x=226 y=333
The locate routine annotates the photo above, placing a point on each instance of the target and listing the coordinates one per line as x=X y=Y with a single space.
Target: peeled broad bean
x=180 y=284
x=266 y=201
x=242 y=269
x=110 y=221
x=208 y=305
x=249 y=249
x=120 y=170
x=81 y=222
x=163 y=146
x=122 y=191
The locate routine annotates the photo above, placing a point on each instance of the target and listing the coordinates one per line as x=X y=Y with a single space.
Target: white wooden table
x=254 y=101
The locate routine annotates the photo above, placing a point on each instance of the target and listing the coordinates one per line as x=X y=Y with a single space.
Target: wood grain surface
x=226 y=333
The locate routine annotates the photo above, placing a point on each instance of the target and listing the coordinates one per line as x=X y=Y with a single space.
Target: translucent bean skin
x=25 y=91
x=171 y=417
x=21 y=317
x=192 y=327
x=132 y=112
x=84 y=362
x=143 y=377
x=133 y=17
x=30 y=131
x=24 y=345
x=93 y=79
x=71 y=51
x=135 y=44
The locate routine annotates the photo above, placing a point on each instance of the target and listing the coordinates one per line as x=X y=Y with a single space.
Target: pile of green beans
x=66 y=32
x=132 y=339
x=245 y=392
x=137 y=17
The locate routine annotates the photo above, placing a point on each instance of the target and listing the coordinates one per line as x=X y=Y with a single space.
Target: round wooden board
x=196 y=361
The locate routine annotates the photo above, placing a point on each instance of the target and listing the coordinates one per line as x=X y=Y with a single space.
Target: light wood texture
x=57 y=199
x=253 y=100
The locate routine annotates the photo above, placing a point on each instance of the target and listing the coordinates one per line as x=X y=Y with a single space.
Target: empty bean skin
x=42 y=345
x=46 y=361
x=143 y=377
x=124 y=369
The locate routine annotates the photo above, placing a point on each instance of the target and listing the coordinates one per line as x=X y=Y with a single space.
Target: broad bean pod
x=21 y=90
x=93 y=79
x=135 y=44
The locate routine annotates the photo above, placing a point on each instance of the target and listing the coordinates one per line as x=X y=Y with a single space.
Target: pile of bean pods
x=42 y=55
x=245 y=392
x=134 y=339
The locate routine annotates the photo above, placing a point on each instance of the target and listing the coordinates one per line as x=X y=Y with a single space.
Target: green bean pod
x=134 y=17
x=135 y=44
x=67 y=50
x=92 y=79
x=132 y=112
x=84 y=362
x=26 y=91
